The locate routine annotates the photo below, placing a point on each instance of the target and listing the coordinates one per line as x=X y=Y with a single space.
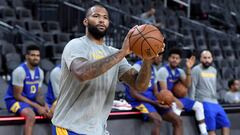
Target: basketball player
x=53 y=88
x=170 y=74
x=204 y=83
x=89 y=73
x=24 y=96
x=146 y=103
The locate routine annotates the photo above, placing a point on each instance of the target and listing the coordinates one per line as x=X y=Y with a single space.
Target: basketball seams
x=136 y=35
x=144 y=39
x=142 y=35
x=140 y=32
x=155 y=39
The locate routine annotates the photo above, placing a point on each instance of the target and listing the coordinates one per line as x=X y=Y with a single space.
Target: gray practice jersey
x=204 y=82
x=232 y=97
x=83 y=107
x=55 y=78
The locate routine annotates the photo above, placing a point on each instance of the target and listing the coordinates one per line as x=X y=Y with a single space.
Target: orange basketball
x=180 y=90
x=165 y=97
x=146 y=41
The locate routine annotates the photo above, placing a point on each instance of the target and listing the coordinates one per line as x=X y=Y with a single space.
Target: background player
x=53 y=88
x=204 y=86
x=24 y=95
x=170 y=74
x=233 y=94
x=90 y=71
x=146 y=103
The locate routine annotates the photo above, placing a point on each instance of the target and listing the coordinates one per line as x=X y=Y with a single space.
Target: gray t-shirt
x=232 y=97
x=204 y=84
x=55 y=78
x=162 y=74
x=19 y=75
x=83 y=107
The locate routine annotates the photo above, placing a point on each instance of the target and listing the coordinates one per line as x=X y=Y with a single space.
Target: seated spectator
x=149 y=17
x=233 y=95
x=24 y=96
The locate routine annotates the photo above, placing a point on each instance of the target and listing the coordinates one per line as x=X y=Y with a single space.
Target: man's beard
x=95 y=32
x=206 y=65
x=34 y=64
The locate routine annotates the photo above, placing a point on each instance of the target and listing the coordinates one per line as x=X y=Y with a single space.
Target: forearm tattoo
x=93 y=69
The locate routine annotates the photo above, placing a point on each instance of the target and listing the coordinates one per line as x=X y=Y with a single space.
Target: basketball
x=146 y=41
x=180 y=90
x=165 y=97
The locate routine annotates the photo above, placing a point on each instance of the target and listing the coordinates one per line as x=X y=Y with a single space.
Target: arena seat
x=46 y=65
x=62 y=37
x=6 y=47
x=12 y=61
x=18 y=4
x=53 y=27
x=24 y=14
x=34 y=26
x=7 y=14
x=4 y=86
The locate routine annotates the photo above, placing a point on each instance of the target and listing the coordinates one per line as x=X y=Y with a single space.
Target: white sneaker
x=121 y=105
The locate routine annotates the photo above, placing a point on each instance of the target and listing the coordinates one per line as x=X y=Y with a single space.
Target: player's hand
x=126 y=45
x=42 y=110
x=190 y=62
x=50 y=114
x=163 y=49
x=158 y=104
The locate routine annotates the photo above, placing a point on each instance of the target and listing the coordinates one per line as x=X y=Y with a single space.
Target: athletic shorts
x=187 y=103
x=215 y=116
x=146 y=108
x=17 y=106
x=62 y=131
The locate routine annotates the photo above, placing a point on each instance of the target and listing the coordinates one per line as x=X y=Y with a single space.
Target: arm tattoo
x=138 y=80
x=144 y=76
x=90 y=69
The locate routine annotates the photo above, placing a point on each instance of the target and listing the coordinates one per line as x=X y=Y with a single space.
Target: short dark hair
x=205 y=50
x=175 y=51
x=32 y=48
x=231 y=82
x=96 y=5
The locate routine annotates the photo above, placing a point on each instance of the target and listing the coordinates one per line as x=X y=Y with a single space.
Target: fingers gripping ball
x=165 y=97
x=180 y=90
x=146 y=41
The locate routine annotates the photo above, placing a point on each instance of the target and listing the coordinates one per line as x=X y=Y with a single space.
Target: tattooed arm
x=87 y=70
x=138 y=80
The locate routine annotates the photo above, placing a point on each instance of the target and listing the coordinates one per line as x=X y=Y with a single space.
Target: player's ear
x=85 y=22
x=26 y=56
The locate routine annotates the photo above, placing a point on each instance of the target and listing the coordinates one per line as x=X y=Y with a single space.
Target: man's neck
x=30 y=66
x=233 y=91
x=173 y=68
x=97 y=41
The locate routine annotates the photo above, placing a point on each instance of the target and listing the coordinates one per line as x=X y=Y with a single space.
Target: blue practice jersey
x=30 y=86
